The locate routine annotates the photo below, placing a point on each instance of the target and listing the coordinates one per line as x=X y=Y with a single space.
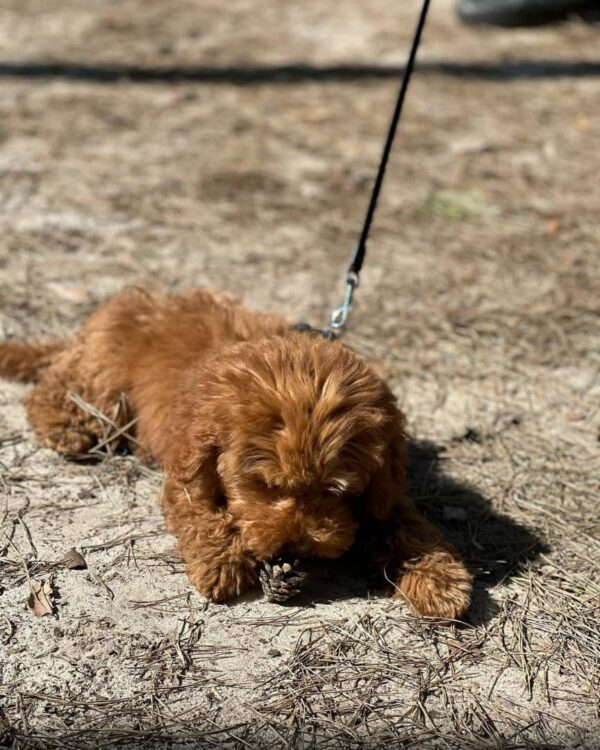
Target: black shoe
x=522 y=12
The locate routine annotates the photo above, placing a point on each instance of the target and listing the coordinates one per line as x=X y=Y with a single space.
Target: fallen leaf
x=74 y=560
x=40 y=599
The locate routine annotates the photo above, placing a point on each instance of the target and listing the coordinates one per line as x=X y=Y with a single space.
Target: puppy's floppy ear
x=387 y=487
x=192 y=452
x=193 y=441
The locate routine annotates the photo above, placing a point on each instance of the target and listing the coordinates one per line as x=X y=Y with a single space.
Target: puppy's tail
x=25 y=360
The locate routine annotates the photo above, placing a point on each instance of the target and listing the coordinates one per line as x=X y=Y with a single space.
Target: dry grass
x=479 y=302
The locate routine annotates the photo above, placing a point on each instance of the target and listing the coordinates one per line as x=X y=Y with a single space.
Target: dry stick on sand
x=113 y=431
x=9 y=630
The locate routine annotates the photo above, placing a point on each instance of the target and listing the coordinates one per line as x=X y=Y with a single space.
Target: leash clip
x=339 y=316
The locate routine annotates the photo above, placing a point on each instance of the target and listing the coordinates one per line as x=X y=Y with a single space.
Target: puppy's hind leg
x=52 y=408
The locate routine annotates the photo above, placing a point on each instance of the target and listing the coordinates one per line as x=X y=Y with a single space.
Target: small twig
x=10 y=630
x=28 y=535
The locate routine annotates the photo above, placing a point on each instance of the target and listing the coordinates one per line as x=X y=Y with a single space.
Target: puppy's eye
x=220 y=501
x=347 y=497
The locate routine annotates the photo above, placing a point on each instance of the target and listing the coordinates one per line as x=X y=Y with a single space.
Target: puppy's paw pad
x=437 y=586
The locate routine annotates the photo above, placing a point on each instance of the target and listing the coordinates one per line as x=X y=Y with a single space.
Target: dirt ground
x=233 y=145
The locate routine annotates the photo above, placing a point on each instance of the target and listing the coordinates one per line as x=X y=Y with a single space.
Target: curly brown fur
x=25 y=361
x=273 y=442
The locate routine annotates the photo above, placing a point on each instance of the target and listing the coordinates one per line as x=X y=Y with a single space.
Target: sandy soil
x=233 y=145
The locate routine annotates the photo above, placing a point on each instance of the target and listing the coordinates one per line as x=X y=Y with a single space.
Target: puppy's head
x=295 y=428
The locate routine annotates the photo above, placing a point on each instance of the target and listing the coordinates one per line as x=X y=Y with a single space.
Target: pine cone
x=281 y=580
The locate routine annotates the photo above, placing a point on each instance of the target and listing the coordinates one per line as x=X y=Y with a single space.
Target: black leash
x=339 y=316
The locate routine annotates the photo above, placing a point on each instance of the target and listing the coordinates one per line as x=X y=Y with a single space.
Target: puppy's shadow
x=495 y=547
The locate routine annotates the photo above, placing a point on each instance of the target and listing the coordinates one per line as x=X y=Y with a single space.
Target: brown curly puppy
x=272 y=441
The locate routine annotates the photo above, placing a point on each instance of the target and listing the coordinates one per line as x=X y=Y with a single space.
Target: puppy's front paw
x=224 y=582
x=437 y=585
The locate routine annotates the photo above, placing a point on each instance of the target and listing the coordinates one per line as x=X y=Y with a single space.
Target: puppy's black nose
x=287 y=552
x=294 y=552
